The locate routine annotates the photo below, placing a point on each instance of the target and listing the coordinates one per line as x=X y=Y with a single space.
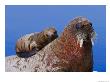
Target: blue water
x=20 y=20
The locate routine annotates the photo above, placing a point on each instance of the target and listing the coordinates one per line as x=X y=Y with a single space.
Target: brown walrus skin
x=29 y=44
x=72 y=51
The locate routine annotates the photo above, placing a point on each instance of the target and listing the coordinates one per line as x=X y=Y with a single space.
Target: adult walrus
x=72 y=51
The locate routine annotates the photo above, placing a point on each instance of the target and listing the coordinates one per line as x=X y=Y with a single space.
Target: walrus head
x=51 y=33
x=83 y=30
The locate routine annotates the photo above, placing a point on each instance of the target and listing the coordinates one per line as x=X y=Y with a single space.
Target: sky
x=21 y=20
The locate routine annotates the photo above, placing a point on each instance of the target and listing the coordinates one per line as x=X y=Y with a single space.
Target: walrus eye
x=90 y=24
x=78 y=26
x=55 y=32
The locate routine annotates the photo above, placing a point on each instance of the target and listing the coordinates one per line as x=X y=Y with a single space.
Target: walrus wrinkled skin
x=72 y=51
x=29 y=44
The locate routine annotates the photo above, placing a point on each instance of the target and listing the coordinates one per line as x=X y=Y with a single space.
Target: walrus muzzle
x=85 y=31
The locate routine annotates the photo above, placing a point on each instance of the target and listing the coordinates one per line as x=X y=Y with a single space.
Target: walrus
x=72 y=50
x=29 y=44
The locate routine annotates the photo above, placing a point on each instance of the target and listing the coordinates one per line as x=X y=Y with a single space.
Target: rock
x=71 y=52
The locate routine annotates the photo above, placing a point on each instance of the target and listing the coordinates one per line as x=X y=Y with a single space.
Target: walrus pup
x=72 y=51
x=29 y=44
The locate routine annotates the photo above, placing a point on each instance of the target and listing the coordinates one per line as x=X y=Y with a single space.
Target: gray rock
x=35 y=63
